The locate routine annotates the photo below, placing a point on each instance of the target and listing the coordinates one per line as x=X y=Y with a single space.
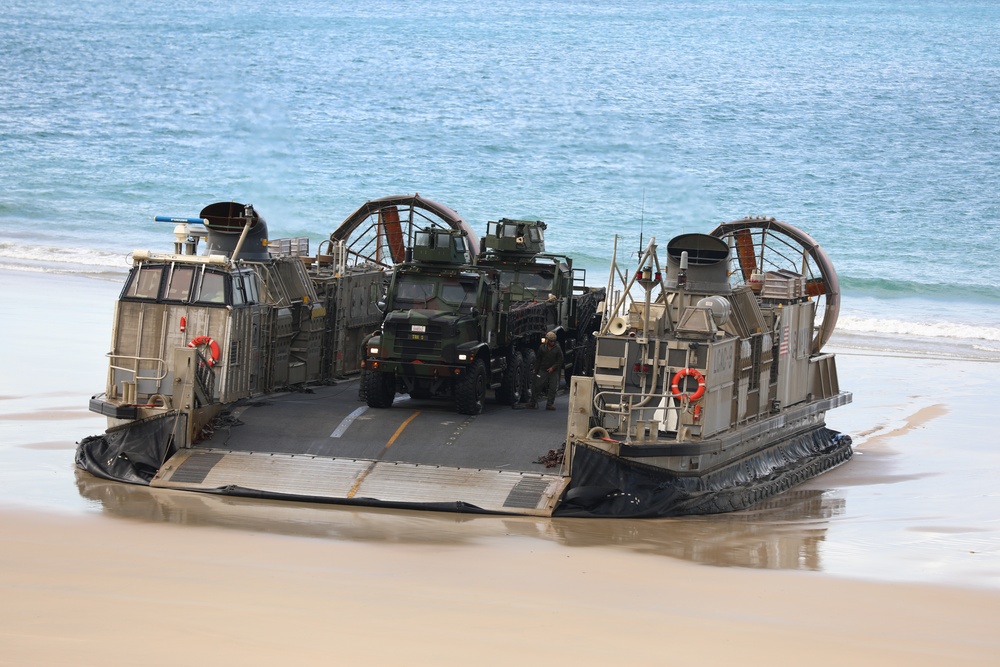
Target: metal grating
x=196 y=468
x=527 y=493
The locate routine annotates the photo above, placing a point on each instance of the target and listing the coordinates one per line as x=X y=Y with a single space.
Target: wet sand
x=94 y=591
x=892 y=557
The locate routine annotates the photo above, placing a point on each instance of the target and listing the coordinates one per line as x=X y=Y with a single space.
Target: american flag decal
x=783 y=349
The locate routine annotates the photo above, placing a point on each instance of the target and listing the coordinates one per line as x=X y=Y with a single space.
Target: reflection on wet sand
x=784 y=533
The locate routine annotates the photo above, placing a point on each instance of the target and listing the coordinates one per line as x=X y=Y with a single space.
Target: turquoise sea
x=873 y=125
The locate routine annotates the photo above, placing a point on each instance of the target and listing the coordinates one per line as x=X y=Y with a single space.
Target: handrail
x=626 y=409
x=205 y=376
x=135 y=371
x=633 y=407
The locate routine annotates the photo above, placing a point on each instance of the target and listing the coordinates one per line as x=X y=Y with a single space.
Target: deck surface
x=328 y=444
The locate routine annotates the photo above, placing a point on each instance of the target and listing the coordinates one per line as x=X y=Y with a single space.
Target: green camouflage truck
x=457 y=325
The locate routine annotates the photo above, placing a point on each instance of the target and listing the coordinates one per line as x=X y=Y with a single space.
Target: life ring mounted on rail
x=688 y=372
x=212 y=346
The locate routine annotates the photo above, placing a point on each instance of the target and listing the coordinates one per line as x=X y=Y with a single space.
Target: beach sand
x=893 y=558
x=94 y=591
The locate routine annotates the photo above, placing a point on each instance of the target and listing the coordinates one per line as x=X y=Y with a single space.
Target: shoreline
x=898 y=421
x=923 y=312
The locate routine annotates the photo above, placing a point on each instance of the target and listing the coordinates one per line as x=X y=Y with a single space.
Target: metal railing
x=204 y=376
x=640 y=410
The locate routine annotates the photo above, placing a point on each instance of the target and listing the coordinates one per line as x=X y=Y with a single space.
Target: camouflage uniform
x=548 y=368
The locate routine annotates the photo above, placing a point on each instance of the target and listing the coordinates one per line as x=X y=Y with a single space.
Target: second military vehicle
x=456 y=326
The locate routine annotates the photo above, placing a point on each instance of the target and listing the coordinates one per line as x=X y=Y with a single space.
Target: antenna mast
x=642 y=217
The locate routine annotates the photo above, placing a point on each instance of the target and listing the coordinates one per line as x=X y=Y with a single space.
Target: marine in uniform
x=548 y=368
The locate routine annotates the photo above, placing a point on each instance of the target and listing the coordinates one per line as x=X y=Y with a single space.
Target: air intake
x=225 y=222
x=707 y=264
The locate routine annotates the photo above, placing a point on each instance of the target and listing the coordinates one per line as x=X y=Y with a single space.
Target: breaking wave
x=924 y=329
x=63 y=260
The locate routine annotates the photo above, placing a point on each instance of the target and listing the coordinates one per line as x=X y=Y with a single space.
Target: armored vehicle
x=516 y=248
x=454 y=328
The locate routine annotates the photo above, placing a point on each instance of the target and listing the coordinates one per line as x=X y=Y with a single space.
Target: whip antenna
x=642 y=216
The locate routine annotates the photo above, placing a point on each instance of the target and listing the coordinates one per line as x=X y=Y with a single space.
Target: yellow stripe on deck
x=399 y=431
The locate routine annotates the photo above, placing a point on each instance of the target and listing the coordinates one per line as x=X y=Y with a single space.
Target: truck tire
x=380 y=389
x=470 y=389
x=512 y=383
x=528 y=393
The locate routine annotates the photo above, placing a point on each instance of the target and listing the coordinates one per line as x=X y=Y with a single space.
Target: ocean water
x=872 y=125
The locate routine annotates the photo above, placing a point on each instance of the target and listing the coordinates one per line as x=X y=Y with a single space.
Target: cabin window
x=250 y=284
x=179 y=287
x=145 y=282
x=239 y=290
x=244 y=289
x=462 y=294
x=213 y=288
x=422 y=239
x=414 y=292
x=535 y=234
x=528 y=279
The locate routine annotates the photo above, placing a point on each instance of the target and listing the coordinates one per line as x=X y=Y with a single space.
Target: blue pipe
x=167 y=218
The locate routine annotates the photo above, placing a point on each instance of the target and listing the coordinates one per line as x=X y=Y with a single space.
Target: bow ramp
x=323 y=446
x=361 y=481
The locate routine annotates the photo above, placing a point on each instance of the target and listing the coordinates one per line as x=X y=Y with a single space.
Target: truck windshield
x=414 y=292
x=459 y=294
x=532 y=281
x=435 y=293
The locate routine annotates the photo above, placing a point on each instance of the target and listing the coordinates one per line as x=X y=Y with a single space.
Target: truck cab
x=435 y=339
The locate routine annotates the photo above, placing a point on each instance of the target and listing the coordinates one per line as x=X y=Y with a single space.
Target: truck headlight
x=463 y=357
x=373 y=350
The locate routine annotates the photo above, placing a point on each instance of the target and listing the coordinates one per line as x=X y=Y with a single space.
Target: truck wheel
x=380 y=389
x=512 y=383
x=528 y=393
x=363 y=385
x=470 y=389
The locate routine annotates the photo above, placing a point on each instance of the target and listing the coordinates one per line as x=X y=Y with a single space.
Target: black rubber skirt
x=608 y=486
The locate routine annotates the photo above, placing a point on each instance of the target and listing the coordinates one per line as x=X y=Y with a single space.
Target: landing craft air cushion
x=698 y=385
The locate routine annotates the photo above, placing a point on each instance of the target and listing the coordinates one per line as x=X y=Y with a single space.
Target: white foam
x=924 y=329
x=48 y=259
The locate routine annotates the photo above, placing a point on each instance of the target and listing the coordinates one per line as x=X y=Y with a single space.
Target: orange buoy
x=212 y=346
x=685 y=372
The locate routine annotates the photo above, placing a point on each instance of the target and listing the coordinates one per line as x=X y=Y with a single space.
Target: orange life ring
x=684 y=372
x=212 y=346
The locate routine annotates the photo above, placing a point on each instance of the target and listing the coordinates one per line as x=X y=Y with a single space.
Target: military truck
x=456 y=326
x=516 y=248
